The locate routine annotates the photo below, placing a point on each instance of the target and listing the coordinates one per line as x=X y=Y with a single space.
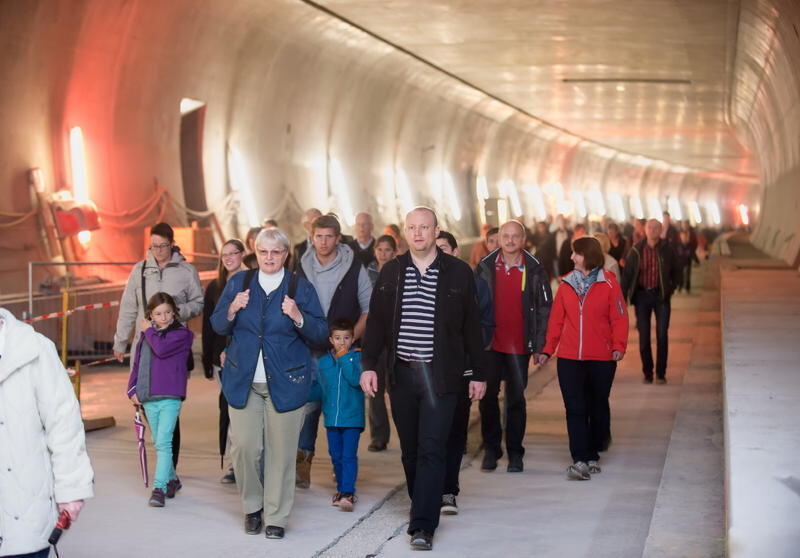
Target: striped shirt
x=648 y=267
x=417 y=313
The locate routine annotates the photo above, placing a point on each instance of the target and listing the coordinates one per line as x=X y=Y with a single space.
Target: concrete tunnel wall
x=322 y=114
x=765 y=105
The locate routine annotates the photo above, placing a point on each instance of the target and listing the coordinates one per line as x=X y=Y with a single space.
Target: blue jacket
x=262 y=326
x=342 y=398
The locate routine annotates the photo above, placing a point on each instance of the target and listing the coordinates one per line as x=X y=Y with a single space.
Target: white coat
x=43 y=458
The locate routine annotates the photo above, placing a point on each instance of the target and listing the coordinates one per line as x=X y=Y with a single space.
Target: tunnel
x=215 y=116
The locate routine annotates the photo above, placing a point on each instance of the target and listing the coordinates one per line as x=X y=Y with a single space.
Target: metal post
x=30 y=289
x=64 y=319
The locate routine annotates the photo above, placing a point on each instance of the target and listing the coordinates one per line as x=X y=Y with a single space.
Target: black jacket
x=537 y=298
x=457 y=325
x=213 y=343
x=669 y=271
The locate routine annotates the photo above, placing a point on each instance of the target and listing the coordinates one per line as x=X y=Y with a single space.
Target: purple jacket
x=159 y=368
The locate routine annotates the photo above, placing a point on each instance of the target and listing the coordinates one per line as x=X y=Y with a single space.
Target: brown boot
x=303 y=469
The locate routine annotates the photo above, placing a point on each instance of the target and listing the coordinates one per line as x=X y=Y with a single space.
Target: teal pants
x=162 y=415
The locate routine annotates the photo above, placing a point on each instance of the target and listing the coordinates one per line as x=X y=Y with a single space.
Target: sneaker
x=578 y=471
x=347 y=501
x=376 y=447
x=489 y=462
x=229 y=477
x=173 y=486
x=647 y=380
x=274 y=532
x=594 y=467
x=336 y=499
x=421 y=540
x=661 y=380
x=514 y=464
x=449 y=506
x=156 y=498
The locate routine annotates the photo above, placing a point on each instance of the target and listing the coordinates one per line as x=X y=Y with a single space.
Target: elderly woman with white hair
x=272 y=316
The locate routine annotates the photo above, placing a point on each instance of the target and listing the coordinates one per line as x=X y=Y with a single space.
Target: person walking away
x=158 y=383
x=521 y=297
x=417 y=294
x=343 y=409
x=588 y=327
x=46 y=469
x=686 y=256
x=230 y=263
x=649 y=279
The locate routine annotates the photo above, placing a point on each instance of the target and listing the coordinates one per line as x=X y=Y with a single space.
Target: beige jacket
x=178 y=279
x=43 y=455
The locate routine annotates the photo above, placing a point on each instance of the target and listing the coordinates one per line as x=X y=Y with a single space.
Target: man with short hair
x=364 y=243
x=344 y=291
x=522 y=299
x=669 y=231
x=649 y=278
x=301 y=247
x=424 y=312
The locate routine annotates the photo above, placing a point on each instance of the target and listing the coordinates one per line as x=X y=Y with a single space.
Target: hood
x=339 y=266
x=19 y=344
x=572 y=278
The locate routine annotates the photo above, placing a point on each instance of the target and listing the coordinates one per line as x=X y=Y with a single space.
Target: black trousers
x=457 y=442
x=378 y=415
x=514 y=370
x=648 y=302
x=423 y=419
x=585 y=387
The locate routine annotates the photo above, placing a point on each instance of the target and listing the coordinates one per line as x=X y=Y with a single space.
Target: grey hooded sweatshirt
x=326 y=278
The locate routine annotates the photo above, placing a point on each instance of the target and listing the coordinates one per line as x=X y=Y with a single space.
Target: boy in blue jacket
x=343 y=409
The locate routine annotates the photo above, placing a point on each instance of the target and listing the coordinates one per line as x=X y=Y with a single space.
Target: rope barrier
x=51 y=315
x=16 y=222
x=104 y=360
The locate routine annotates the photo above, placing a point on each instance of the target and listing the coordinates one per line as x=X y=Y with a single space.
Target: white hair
x=275 y=236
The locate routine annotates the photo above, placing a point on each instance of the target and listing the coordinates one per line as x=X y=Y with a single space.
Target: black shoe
x=489 y=462
x=514 y=464
x=647 y=380
x=274 y=532
x=421 y=540
x=376 y=447
x=229 y=477
x=156 y=498
x=173 y=486
x=253 y=523
x=449 y=505
x=661 y=380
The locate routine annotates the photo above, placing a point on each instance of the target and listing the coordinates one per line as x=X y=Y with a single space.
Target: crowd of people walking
x=295 y=333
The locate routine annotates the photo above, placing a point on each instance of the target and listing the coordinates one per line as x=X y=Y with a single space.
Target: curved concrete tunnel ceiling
x=319 y=112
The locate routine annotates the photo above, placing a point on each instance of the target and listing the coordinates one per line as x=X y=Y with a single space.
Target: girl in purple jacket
x=158 y=383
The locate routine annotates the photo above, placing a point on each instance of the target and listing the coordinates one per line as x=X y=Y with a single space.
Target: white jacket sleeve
x=61 y=419
x=128 y=309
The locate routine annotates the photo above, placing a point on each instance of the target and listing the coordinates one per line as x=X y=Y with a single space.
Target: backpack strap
x=292 y=285
x=248 y=278
x=144 y=290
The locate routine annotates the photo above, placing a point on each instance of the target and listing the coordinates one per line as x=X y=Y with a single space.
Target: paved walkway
x=533 y=514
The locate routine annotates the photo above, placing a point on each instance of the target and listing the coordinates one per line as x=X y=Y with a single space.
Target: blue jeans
x=162 y=416
x=343 y=447
x=308 y=434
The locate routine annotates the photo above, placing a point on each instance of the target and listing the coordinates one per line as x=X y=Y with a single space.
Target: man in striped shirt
x=424 y=312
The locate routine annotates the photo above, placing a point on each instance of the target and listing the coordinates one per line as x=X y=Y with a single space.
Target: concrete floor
x=660 y=492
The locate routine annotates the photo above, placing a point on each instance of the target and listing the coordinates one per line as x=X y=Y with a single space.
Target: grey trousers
x=259 y=426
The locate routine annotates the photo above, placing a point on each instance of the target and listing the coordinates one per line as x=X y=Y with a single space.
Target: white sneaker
x=578 y=471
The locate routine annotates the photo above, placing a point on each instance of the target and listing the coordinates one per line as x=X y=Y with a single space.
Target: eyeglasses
x=271 y=253
x=160 y=246
x=225 y=256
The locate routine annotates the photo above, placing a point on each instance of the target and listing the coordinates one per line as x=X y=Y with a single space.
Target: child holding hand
x=158 y=383
x=343 y=409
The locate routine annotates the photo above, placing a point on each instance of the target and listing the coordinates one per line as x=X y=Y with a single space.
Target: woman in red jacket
x=589 y=325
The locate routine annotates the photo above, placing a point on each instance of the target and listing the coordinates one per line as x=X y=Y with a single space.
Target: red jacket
x=590 y=330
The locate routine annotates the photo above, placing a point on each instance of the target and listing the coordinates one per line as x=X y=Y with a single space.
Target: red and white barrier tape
x=94 y=306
